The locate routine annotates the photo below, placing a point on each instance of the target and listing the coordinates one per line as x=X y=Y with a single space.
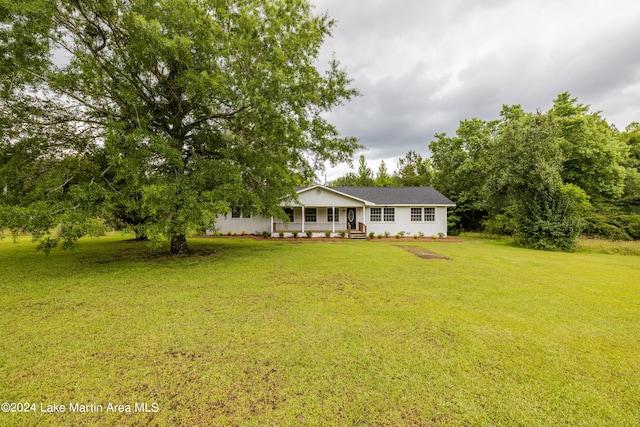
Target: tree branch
x=61 y=187
x=228 y=115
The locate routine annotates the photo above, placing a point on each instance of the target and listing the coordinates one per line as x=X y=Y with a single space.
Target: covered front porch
x=323 y=219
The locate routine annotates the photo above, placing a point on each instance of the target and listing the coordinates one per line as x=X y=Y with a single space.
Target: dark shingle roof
x=397 y=195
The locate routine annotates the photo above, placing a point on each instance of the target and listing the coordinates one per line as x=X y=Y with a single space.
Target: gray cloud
x=422 y=66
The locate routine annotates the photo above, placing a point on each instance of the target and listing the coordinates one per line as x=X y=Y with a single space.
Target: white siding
x=326 y=198
x=402 y=222
x=226 y=224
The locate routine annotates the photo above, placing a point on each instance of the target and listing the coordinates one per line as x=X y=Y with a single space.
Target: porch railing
x=308 y=226
x=362 y=228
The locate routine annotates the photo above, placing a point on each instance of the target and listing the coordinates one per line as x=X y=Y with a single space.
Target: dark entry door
x=351 y=218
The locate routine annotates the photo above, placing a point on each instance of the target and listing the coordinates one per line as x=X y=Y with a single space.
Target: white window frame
x=333 y=215
x=290 y=213
x=389 y=214
x=375 y=214
x=429 y=214
x=239 y=214
x=416 y=214
x=310 y=215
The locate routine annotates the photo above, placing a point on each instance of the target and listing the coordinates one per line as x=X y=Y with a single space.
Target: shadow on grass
x=103 y=251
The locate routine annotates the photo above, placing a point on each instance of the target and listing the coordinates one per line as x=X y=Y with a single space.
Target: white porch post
x=333 y=218
x=303 y=219
x=271 y=226
x=364 y=215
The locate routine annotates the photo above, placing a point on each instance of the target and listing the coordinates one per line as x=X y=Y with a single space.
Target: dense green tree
x=594 y=160
x=383 y=179
x=31 y=165
x=365 y=174
x=350 y=179
x=524 y=179
x=362 y=178
x=593 y=152
x=38 y=188
x=628 y=206
x=413 y=170
x=597 y=180
x=460 y=170
x=631 y=137
x=631 y=195
x=183 y=107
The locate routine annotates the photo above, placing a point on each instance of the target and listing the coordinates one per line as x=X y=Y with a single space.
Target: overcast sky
x=424 y=65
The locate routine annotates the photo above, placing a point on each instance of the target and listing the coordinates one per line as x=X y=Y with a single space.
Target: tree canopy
x=543 y=177
x=412 y=171
x=162 y=114
x=524 y=181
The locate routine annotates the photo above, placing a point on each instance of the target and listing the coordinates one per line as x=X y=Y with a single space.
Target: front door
x=351 y=219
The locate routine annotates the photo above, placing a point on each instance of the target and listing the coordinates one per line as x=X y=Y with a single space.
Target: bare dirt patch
x=421 y=253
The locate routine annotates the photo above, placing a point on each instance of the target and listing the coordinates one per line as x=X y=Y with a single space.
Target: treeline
x=412 y=171
x=543 y=177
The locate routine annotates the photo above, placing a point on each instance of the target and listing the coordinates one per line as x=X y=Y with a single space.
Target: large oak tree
x=182 y=108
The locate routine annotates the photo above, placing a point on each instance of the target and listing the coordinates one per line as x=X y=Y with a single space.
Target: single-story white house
x=354 y=210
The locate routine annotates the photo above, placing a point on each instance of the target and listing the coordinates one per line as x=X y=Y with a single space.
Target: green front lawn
x=257 y=332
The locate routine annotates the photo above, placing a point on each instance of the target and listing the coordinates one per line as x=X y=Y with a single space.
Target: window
x=310 y=214
x=289 y=212
x=237 y=213
x=382 y=214
x=389 y=214
x=333 y=215
x=429 y=214
x=375 y=214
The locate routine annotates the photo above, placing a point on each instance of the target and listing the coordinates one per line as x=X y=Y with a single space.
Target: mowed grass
x=257 y=332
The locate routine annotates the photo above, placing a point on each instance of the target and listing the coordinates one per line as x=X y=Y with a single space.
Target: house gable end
x=319 y=195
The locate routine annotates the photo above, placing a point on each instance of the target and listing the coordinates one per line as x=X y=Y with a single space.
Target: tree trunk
x=179 y=245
